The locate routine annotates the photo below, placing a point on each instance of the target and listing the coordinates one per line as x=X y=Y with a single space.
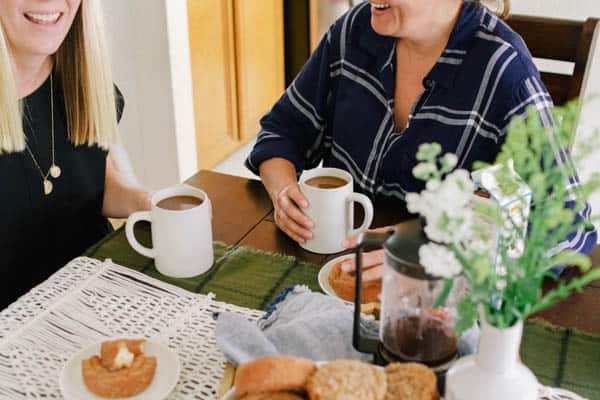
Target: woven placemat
x=250 y=278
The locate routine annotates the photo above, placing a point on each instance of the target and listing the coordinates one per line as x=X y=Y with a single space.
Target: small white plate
x=165 y=378
x=324 y=275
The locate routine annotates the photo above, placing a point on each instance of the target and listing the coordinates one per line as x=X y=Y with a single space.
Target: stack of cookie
x=292 y=378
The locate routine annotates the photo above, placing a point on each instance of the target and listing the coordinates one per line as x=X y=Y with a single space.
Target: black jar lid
x=402 y=249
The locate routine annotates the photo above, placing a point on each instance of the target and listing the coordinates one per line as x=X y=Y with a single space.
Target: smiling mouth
x=43 y=19
x=381 y=6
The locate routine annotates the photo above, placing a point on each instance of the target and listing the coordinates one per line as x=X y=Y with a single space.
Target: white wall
x=151 y=64
x=577 y=10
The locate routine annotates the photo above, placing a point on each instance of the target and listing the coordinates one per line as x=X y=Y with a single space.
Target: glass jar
x=411 y=328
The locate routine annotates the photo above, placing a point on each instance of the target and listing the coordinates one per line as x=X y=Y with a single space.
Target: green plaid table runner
x=250 y=278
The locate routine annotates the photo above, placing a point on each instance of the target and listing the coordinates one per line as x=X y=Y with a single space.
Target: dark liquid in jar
x=427 y=342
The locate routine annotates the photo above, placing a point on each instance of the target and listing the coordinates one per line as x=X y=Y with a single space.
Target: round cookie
x=273 y=396
x=273 y=374
x=348 y=380
x=343 y=284
x=410 y=381
x=125 y=382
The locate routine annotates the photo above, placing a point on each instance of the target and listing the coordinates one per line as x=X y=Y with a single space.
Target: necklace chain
x=53 y=170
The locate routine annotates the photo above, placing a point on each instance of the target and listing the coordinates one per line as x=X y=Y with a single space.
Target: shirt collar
x=445 y=70
x=449 y=64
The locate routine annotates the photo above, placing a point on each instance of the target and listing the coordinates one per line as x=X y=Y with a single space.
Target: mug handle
x=367 y=206
x=131 y=221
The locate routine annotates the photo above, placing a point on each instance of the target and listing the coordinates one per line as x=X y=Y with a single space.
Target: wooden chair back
x=561 y=40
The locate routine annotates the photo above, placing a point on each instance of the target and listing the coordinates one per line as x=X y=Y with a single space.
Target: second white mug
x=332 y=210
x=182 y=239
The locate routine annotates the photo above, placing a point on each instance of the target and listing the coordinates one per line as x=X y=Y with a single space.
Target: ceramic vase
x=494 y=372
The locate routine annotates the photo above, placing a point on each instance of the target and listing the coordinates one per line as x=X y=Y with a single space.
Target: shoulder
x=503 y=51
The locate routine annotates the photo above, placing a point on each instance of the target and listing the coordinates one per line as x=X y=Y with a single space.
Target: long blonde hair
x=83 y=65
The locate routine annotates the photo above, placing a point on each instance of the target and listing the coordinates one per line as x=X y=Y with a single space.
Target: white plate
x=324 y=275
x=166 y=376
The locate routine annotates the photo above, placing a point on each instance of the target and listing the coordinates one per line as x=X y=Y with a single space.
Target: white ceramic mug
x=332 y=211
x=182 y=239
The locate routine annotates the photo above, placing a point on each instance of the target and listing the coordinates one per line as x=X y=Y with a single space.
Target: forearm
x=121 y=199
x=276 y=174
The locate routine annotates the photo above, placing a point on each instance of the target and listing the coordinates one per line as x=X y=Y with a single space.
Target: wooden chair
x=562 y=40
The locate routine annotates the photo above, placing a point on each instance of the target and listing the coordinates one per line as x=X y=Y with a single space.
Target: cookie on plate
x=344 y=283
x=273 y=374
x=410 y=381
x=125 y=382
x=348 y=380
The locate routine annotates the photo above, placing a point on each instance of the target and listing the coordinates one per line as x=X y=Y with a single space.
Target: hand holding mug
x=289 y=216
x=331 y=198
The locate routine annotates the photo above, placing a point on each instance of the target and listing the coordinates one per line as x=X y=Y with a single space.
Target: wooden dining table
x=243 y=216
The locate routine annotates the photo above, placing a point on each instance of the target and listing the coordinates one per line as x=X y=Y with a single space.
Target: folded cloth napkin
x=300 y=323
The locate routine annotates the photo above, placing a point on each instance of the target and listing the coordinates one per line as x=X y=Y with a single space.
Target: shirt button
x=428 y=83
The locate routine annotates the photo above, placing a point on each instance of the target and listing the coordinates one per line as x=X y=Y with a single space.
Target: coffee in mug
x=179 y=203
x=326 y=182
x=331 y=198
x=181 y=226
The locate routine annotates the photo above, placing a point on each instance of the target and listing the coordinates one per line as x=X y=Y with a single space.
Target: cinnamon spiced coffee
x=179 y=203
x=416 y=340
x=326 y=182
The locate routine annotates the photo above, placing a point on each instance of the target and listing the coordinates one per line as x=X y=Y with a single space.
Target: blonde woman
x=59 y=114
x=389 y=76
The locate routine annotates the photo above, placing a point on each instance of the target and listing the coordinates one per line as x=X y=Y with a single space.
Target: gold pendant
x=47 y=187
x=55 y=171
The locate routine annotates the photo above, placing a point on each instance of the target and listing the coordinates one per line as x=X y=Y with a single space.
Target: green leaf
x=443 y=296
x=571 y=258
x=564 y=290
x=467 y=315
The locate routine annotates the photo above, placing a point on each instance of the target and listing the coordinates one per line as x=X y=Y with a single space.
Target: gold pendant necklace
x=54 y=170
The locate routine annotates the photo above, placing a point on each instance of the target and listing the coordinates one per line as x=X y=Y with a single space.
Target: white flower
x=439 y=261
x=412 y=202
x=424 y=170
x=433 y=184
x=449 y=161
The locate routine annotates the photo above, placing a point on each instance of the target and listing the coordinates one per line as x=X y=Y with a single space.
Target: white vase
x=494 y=373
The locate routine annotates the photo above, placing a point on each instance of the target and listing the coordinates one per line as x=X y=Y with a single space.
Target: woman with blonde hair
x=59 y=114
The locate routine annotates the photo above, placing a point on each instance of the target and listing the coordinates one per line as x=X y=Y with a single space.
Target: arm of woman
x=121 y=198
x=279 y=177
x=292 y=137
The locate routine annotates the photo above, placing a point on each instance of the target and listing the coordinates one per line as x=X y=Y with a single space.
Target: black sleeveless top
x=40 y=233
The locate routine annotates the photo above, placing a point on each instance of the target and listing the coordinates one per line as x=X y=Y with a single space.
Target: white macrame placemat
x=88 y=301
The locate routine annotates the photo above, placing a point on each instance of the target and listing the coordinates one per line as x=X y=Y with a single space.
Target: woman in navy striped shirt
x=386 y=78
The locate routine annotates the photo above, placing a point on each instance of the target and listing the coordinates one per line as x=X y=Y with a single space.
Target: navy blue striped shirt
x=340 y=107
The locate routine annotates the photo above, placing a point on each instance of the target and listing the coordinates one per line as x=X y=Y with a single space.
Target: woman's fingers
x=370 y=259
x=297 y=197
x=292 y=211
x=288 y=216
x=373 y=274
